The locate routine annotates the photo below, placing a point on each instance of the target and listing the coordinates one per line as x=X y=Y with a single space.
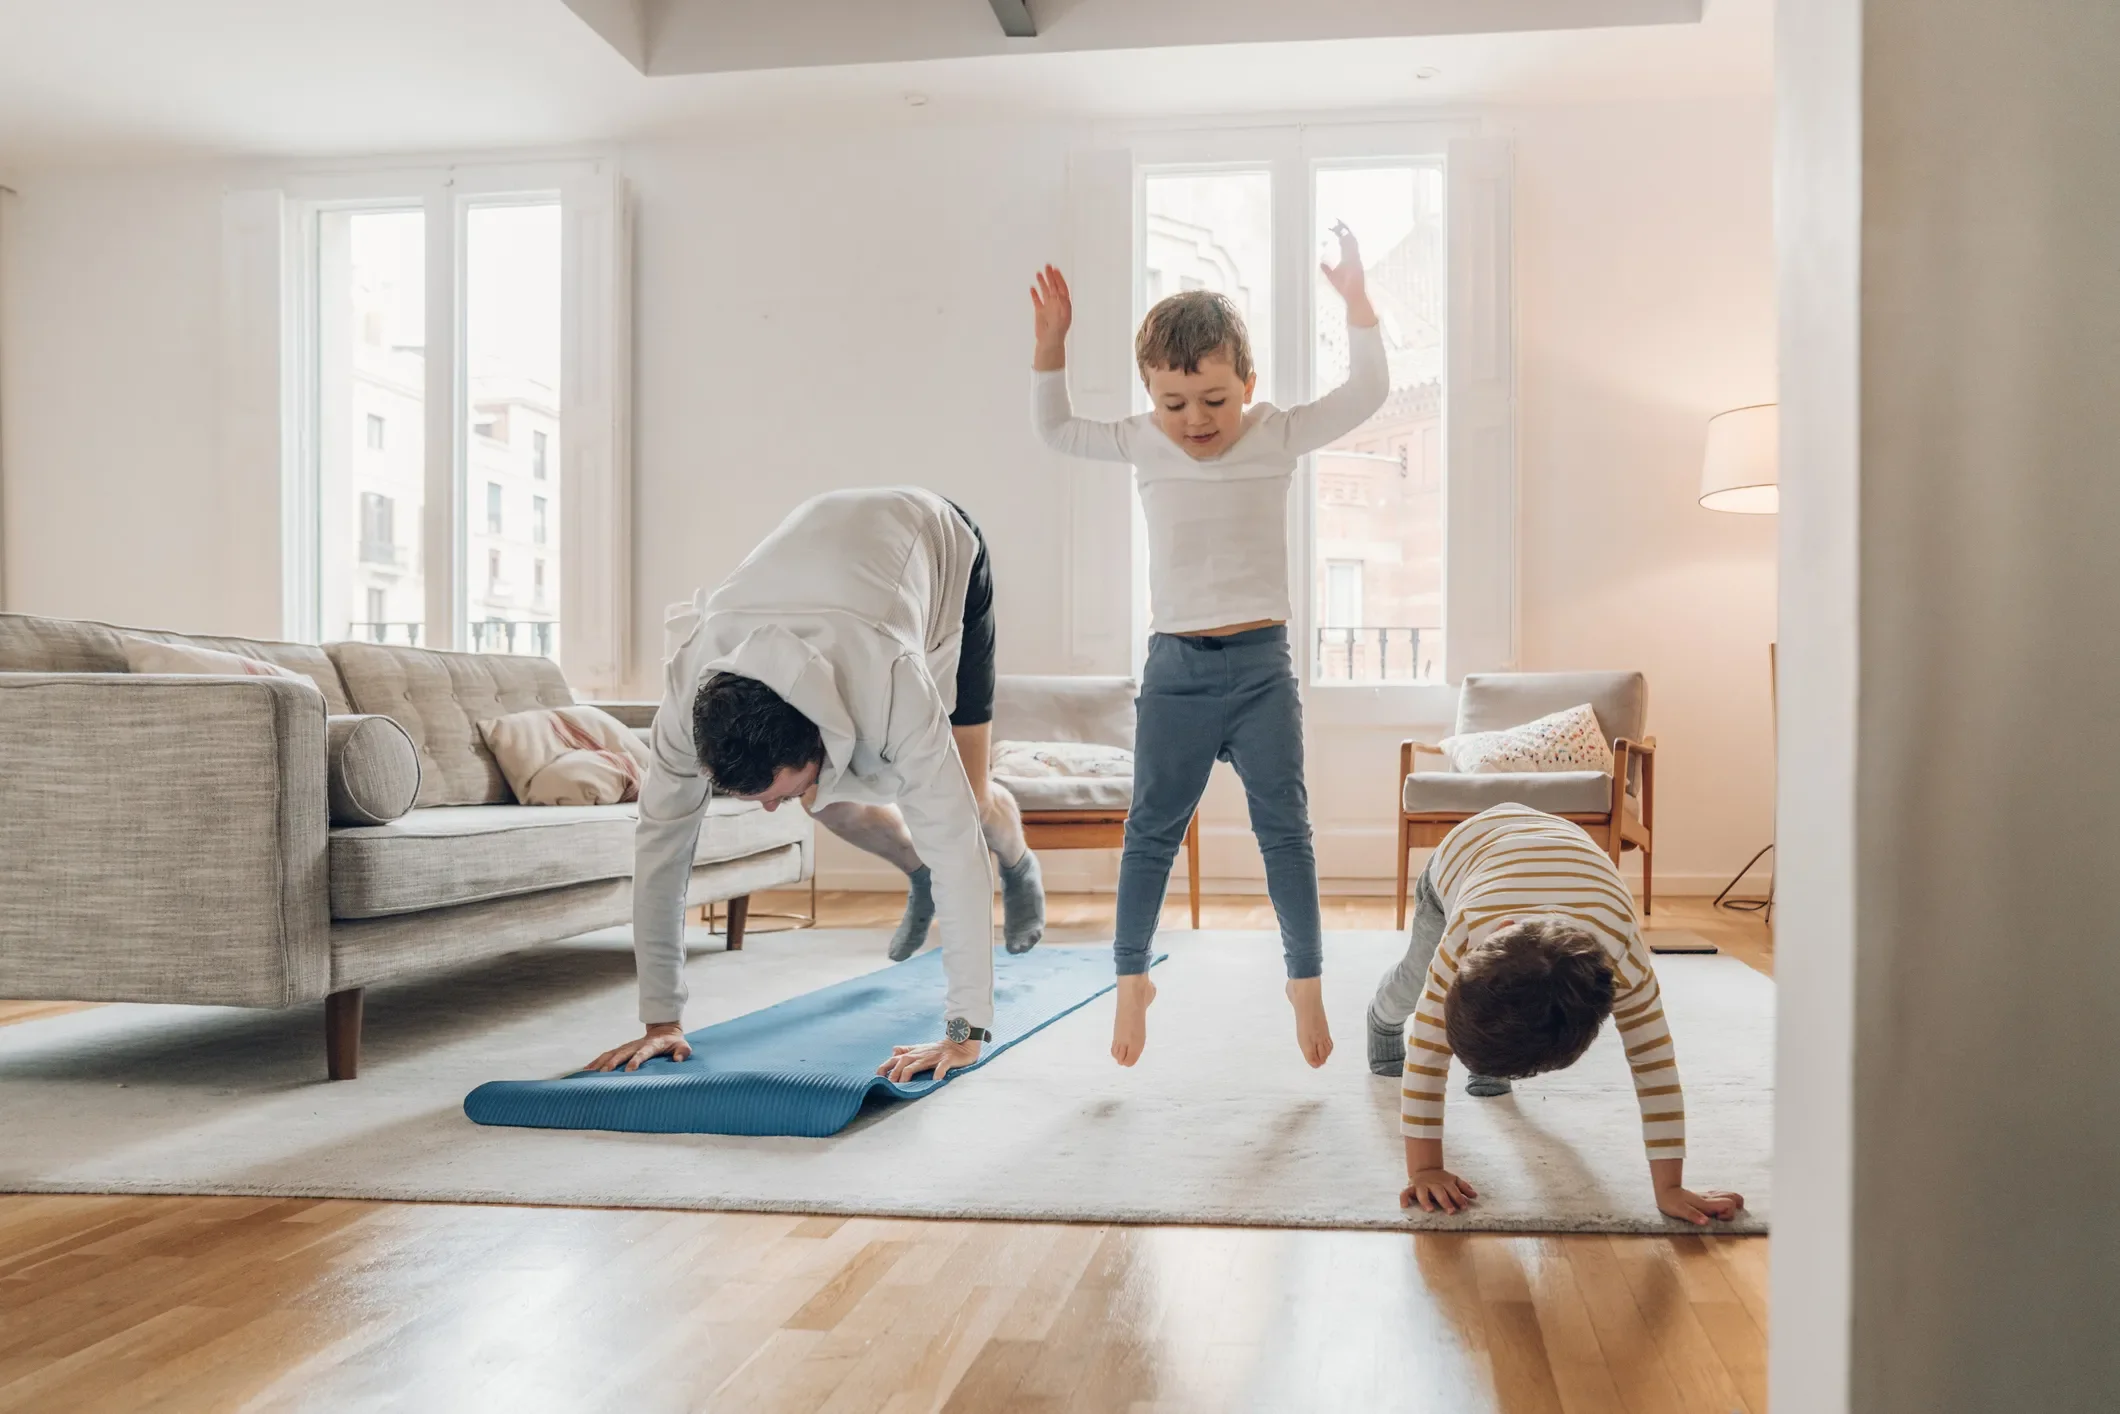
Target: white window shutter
x=596 y=436
x=1480 y=601
x=262 y=598
x=1099 y=265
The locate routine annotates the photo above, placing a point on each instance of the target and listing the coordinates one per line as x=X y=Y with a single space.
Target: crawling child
x=1524 y=940
x=1220 y=680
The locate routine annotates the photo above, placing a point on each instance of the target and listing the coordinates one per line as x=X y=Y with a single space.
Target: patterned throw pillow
x=567 y=756
x=1566 y=741
x=1031 y=760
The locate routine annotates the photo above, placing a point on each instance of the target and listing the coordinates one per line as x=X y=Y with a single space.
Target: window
x=493 y=574
x=378 y=613
x=512 y=371
x=537 y=582
x=1372 y=505
x=1214 y=231
x=415 y=320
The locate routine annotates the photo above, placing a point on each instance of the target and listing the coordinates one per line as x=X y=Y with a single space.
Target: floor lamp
x=1741 y=474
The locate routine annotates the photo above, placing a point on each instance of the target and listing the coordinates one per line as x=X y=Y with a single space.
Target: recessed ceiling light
x=916 y=100
x=1425 y=74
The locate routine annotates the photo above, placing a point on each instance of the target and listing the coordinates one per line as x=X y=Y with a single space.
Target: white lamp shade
x=1742 y=469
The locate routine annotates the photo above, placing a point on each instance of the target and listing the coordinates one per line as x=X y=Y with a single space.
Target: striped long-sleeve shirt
x=1513 y=863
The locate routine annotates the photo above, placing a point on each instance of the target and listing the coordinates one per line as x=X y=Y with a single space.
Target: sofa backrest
x=32 y=644
x=1085 y=709
x=439 y=699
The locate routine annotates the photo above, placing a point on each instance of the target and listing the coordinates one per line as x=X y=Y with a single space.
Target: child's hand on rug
x=1130 y=1023
x=1313 y=1032
x=1437 y=1191
x=665 y=1038
x=1697 y=1208
x=942 y=1057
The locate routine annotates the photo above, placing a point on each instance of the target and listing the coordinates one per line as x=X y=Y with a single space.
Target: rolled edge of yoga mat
x=804 y=1067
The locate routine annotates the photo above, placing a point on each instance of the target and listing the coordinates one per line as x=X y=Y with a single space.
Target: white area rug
x=1220 y=1123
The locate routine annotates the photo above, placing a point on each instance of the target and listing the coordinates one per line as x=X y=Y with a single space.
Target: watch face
x=960 y=1029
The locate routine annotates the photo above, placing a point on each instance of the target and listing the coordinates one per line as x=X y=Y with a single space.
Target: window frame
x=1478 y=433
x=270 y=237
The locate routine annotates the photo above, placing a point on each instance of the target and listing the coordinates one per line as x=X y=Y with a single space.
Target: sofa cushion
x=31 y=644
x=439 y=699
x=1556 y=792
x=374 y=772
x=148 y=655
x=442 y=856
x=567 y=756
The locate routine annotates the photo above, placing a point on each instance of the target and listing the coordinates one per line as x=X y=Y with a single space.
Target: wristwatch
x=961 y=1030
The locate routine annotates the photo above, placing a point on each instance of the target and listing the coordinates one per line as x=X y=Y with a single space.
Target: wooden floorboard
x=126 y=1304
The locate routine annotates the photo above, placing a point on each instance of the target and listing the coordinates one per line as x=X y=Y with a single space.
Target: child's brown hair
x=1528 y=1000
x=1186 y=328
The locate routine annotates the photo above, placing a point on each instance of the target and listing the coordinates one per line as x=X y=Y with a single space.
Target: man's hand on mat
x=1130 y=1019
x=1313 y=1034
x=665 y=1038
x=942 y=1057
x=1437 y=1191
x=1697 y=1208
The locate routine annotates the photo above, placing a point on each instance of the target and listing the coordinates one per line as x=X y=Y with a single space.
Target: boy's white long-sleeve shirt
x=1218 y=526
x=853 y=611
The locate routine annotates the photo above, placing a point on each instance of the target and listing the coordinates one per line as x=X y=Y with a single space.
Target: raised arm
x=1052 y=414
x=1325 y=421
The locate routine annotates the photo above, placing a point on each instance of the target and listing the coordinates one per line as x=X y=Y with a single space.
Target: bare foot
x=1130 y=1026
x=1313 y=1036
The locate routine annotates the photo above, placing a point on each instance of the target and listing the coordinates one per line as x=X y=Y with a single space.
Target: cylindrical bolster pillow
x=374 y=772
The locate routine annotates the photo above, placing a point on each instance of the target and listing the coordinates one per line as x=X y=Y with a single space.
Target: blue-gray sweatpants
x=1205 y=700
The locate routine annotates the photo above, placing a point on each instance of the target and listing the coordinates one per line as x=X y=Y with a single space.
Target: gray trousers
x=1202 y=700
x=1400 y=990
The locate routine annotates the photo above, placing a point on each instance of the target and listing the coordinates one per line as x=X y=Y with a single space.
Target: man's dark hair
x=746 y=732
x=1185 y=328
x=1528 y=1000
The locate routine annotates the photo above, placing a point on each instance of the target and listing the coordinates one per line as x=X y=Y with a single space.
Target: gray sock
x=919 y=913
x=1022 y=904
x=1486 y=1086
x=1387 y=1046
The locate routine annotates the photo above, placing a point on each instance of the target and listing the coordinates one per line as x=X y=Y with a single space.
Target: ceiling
x=125 y=80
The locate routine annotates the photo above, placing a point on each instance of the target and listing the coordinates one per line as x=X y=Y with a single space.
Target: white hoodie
x=853 y=611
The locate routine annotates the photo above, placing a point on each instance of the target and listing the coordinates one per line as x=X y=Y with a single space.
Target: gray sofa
x=218 y=840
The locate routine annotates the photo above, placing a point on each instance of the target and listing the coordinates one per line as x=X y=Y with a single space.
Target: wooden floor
x=241 y=1303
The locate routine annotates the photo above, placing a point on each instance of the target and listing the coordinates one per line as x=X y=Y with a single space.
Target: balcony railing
x=1367 y=655
x=530 y=636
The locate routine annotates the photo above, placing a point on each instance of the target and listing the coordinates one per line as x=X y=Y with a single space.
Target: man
x=848 y=661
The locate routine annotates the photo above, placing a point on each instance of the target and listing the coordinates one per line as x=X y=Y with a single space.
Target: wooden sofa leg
x=739 y=911
x=342 y=1033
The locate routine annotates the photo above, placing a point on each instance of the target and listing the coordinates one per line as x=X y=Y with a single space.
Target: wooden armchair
x=1617 y=811
x=1068 y=812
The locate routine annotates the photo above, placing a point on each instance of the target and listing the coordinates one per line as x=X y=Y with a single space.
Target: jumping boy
x=1220 y=681
x=1524 y=940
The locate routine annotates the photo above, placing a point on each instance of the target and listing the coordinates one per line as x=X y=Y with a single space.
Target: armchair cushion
x=1561 y=741
x=1053 y=709
x=1493 y=701
x=1555 y=792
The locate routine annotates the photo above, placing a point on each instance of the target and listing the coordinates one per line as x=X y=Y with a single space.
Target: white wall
x=1947 y=1242
x=828 y=308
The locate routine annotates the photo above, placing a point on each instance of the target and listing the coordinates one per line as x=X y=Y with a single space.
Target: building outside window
x=493 y=508
x=538 y=444
x=537 y=582
x=537 y=520
x=375 y=432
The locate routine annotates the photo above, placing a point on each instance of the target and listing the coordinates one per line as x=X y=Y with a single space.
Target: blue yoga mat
x=805 y=1066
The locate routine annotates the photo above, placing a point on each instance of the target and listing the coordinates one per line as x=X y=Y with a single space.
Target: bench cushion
x=439 y=857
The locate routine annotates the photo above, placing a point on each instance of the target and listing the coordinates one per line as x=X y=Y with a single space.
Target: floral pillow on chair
x=1564 y=741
